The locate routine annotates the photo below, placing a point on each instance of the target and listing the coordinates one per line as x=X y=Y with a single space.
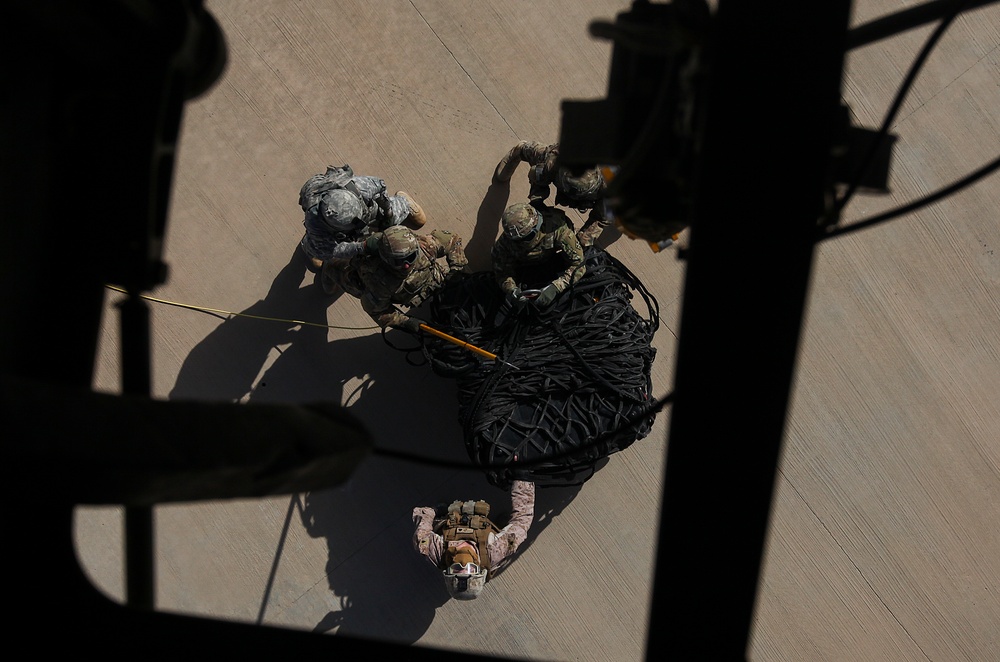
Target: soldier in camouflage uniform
x=466 y=545
x=398 y=267
x=583 y=192
x=341 y=209
x=536 y=242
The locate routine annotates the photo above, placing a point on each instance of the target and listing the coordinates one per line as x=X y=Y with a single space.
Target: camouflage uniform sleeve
x=597 y=220
x=382 y=311
x=425 y=541
x=450 y=248
x=535 y=153
x=503 y=268
x=375 y=198
x=345 y=250
x=503 y=544
x=530 y=152
x=369 y=187
x=542 y=159
x=570 y=245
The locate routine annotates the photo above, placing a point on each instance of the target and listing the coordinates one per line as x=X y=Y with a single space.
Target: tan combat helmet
x=464 y=581
x=521 y=221
x=341 y=210
x=399 y=248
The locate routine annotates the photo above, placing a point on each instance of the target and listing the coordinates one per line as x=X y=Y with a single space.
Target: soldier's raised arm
x=425 y=540
x=510 y=537
x=449 y=246
x=534 y=153
x=573 y=251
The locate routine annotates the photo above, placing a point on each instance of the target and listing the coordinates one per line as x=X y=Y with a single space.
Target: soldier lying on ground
x=466 y=545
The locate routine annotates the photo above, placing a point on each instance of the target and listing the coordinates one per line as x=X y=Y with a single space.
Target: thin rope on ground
x=230 y=313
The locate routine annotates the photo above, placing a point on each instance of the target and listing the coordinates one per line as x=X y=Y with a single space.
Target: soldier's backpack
x=312 y=191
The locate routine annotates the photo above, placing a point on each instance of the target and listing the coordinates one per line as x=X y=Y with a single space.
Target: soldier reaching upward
x=583 y=191
x=466 y=545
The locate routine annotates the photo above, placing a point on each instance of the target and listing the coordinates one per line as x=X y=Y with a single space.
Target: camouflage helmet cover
x=398 y=244
x=588 y=186
x=465 y=585
x=341 y=210
x=520 y=220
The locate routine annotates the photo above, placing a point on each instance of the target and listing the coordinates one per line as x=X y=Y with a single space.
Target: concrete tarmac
x=883 y=542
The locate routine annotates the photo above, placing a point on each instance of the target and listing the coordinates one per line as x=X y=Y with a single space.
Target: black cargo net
x=567 y=375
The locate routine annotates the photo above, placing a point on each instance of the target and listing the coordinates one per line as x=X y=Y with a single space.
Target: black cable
x=567 y=375
x=525 y=464
x=952 y=188
x=897 y=103
x=907 y=19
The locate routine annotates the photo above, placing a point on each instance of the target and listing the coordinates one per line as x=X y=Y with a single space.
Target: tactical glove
x=546 y=296
x=412 y=324
x=515 y=298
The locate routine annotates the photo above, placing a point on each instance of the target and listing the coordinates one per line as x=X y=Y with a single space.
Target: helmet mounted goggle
x=521 y=234
x=464 y=582
x=458 y=569
x=404 y=262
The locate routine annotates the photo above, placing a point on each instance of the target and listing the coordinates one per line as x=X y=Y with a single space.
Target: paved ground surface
x=883 y=542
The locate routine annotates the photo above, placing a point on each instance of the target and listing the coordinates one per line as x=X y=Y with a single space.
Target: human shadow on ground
x=226 y=363
x=385 y=589
x=366 y=522
x=479 y=246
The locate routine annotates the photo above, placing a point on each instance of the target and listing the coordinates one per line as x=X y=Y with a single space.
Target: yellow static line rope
x=232 y=314
x=460 y=343
x=465 y=345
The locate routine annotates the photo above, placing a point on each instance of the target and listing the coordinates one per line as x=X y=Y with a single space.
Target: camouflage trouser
x=340 y=274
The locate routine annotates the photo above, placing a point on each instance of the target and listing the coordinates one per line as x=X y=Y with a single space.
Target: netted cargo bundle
x=572 y=383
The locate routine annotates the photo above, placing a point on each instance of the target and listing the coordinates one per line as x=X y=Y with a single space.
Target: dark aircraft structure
x=93 y=98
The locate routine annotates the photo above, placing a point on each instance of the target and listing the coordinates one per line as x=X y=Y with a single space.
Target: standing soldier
x=583 y=192
x=341 y=209
x=466 y=545
x=398 y=267
x=535 y=243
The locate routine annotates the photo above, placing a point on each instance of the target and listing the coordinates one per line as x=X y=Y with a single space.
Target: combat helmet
x=399 y=248
x=341 y=210
x=464 y=581
x=521 y=221
x=583 y=189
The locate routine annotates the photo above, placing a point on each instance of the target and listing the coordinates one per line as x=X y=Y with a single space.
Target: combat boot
x=417 y=217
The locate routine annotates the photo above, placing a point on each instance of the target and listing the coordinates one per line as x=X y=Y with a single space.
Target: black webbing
x=582 y=369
